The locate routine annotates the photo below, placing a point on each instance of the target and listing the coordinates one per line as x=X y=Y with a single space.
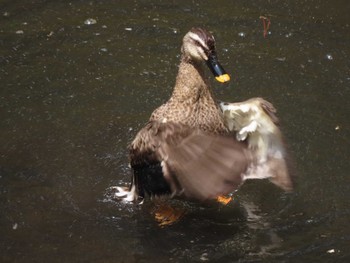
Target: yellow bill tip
x=223 y=78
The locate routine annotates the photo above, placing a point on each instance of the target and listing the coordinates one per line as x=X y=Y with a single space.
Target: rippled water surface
x=79 y=78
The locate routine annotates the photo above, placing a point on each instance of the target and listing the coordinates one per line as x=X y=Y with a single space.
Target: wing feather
x=196 y=165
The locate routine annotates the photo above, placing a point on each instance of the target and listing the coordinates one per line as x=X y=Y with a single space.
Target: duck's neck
x=191 y=85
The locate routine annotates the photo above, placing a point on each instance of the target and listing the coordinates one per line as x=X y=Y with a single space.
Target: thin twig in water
x=266 y=23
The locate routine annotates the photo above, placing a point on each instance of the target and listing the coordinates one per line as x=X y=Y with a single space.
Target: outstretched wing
x=239 y=115
x=256 y=122
x=195 y=164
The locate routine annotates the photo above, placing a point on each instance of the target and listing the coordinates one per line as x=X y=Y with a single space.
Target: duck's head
x=199 y=45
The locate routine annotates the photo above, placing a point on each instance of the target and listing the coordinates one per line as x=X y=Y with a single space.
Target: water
x=78 y=79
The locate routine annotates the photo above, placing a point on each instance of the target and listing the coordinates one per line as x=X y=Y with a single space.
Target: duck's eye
x=197 y=43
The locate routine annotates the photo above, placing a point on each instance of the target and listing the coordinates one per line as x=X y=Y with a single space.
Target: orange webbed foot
x=166 y=215
x=224 y=199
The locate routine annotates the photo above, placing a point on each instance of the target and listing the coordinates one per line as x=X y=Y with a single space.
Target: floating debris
x=90 y=21
x=337 y=128
x=6 y=14
x=128 y=29
x=104 y=49
x=281 y=59
x=15 y=226
x=242 y=34
x=266 y=24
x=331 y=251
x=19 y=32
x=329 y=57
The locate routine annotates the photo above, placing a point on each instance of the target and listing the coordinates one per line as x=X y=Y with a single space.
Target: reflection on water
x=217 y=232
x=79 y=79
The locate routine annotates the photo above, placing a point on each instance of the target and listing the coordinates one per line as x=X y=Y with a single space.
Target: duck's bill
x=218 y=71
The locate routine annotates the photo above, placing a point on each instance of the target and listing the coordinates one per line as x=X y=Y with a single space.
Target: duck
x=195 y=148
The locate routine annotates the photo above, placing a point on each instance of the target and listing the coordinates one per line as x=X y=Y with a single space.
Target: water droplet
x=204 y=257
x=90 y=21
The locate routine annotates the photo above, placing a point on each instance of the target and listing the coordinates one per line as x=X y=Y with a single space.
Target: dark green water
x=72 y=96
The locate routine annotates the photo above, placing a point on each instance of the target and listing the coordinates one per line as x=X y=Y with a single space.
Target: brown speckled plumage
x=192 y=101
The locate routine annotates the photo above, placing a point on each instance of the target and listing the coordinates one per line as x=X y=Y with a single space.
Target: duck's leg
x=165 y=214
